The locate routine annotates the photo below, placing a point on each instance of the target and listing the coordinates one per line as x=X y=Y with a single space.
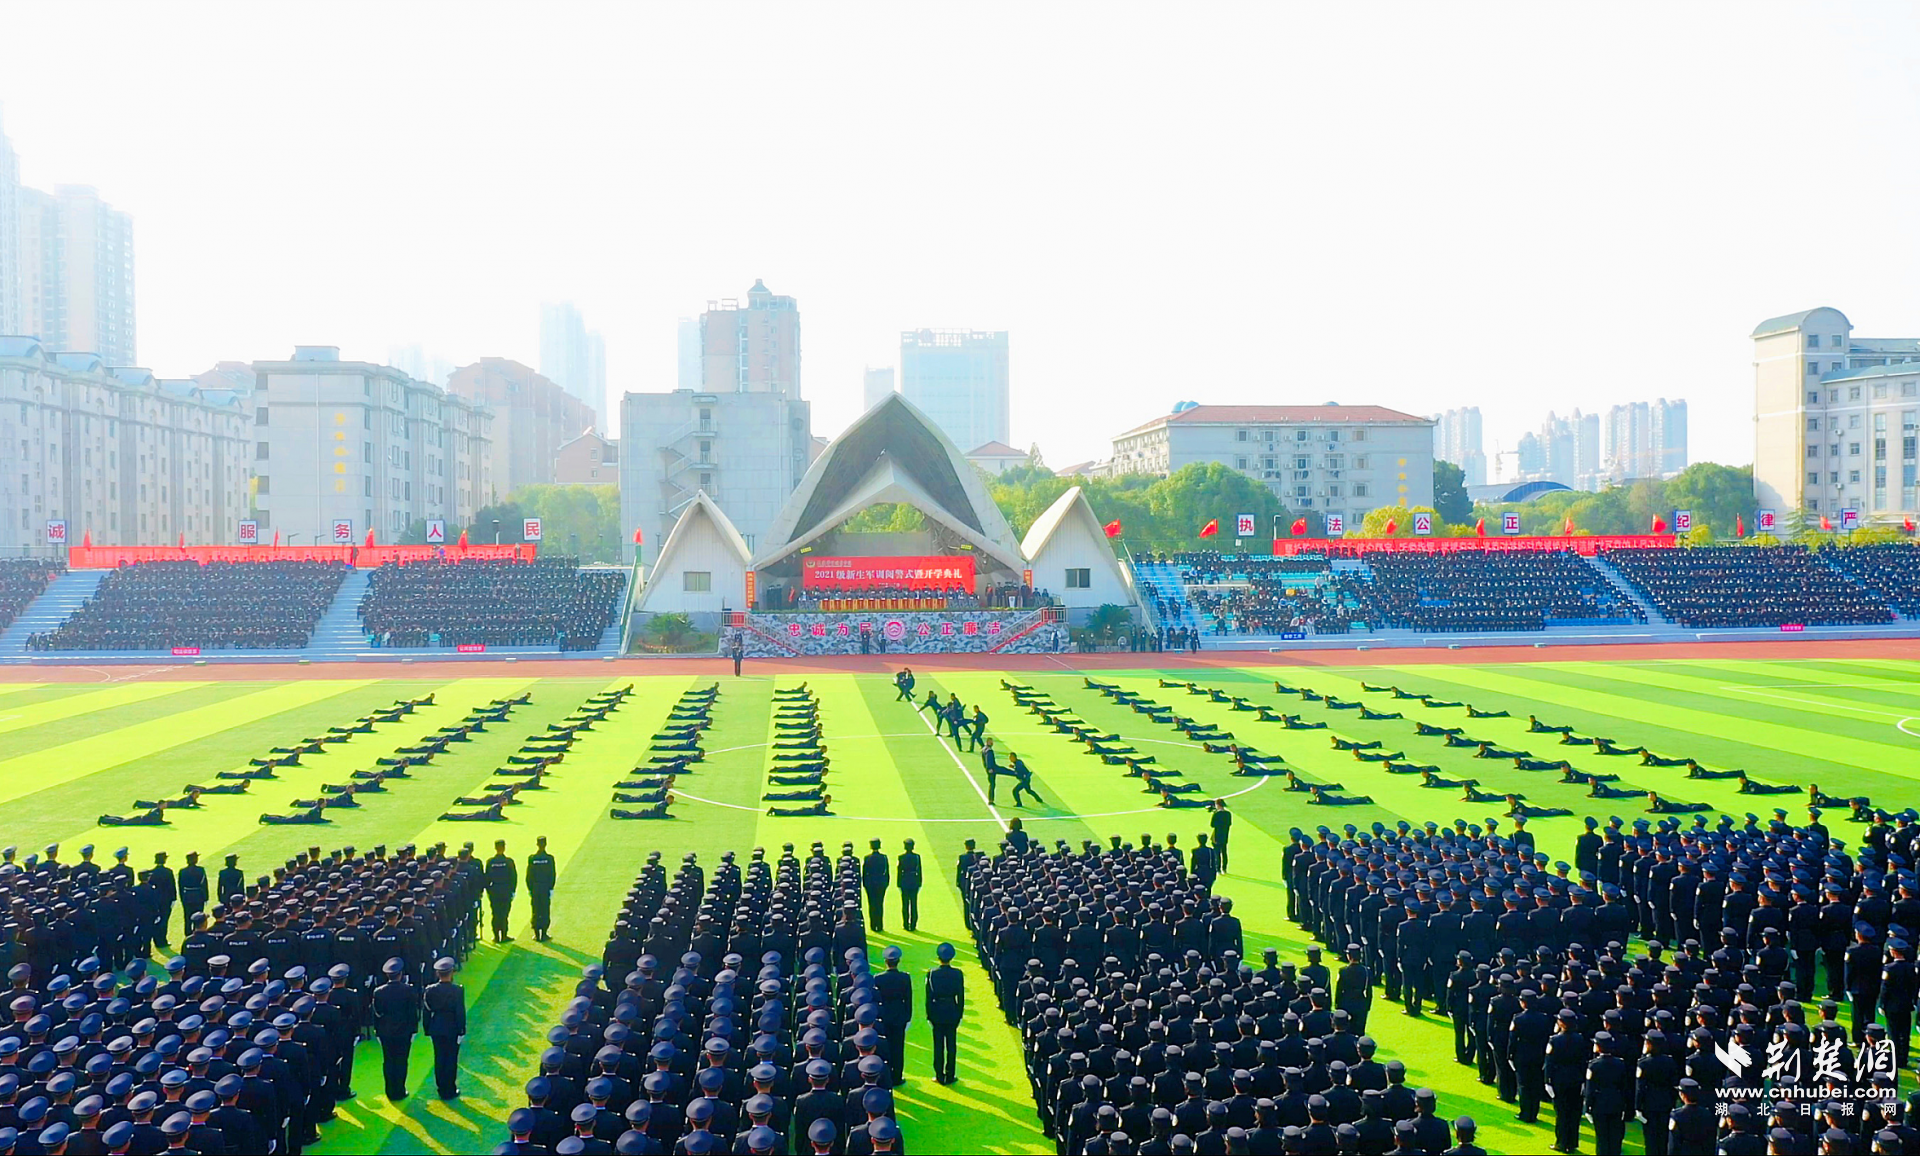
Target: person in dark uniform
x=444 y=1018
x=1527 y=1054
x=1353 y=990
x=737 y=652
x=194 y=891
x=503 y=879
x=1608 y=1083
x=231 y=882
x=165 y=891
x=875 y=873
x=908 y=875
x=1022 y=780
x=1222 y=822
x=540 y=880
x=946 y=1004
x=895 y=989
x=396 y=1017
x=1567 y=1055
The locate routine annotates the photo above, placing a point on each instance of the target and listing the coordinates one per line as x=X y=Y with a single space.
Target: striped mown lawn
x=70 y=752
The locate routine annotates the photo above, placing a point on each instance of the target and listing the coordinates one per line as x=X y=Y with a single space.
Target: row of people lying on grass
x=646 y=792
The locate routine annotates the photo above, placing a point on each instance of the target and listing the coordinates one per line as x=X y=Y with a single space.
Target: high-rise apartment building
x=66 y=267
x=876 y=386
x=362 y=443
x=959 y=380
x=1457 y=439
x=1837 y=417
x=751 y=348
x=573 y=356
x=532 y=418
x=116 y=453
x=13 y=317
x=1644 y=440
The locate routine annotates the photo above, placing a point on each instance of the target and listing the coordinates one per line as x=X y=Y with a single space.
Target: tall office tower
x=1629 y=436
x=13 y=315
x=751 y=348
x=1669 y=435
x=876 y=387
x=688 y=376
x=959 y=380
x=1457 y=439
x=96 y=274
x=573 y=356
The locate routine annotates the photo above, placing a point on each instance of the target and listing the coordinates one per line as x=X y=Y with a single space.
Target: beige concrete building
x=1835 y=418
x=116 y=453
x=364 y=444
x=588 y=460
x=751 y=348
x=1332 y=459
x=533 y=418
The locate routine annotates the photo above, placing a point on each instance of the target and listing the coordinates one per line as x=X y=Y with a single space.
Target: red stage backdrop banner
x=364 y=557
x=909 y=573
x=1588 y=544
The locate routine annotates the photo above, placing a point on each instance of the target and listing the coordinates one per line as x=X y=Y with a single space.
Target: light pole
x=496 y=531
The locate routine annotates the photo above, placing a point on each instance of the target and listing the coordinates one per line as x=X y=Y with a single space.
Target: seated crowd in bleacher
x=1266 y=606
x=550 y=601
x=1495 y=590
x=1749 y=586
x=215 y=606
x=1891 y=571
x=21 y=581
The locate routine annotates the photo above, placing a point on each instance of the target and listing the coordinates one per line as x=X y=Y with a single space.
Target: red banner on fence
x=471 y=648
x=364 y=557
x=907 y=573
x=1588 y=544
x=186 y=652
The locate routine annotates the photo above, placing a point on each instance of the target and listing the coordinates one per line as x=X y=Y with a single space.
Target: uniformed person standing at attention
x=396 y=1017
x=907 y=874
x=875 y=874
x=946 y=1003
x=540 y=879
x=503 y=879
x=232 y=881
x=895 y=989
x=165 y=891
x=193 y=890
x=445 y=1022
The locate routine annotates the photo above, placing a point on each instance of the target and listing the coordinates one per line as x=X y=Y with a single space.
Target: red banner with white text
x=880 y=573
x=364 y=557
x=1587 y=544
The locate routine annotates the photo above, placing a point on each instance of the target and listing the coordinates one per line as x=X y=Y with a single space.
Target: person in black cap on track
x=875 y=874
x=909 y=874
x=396 y=1017
x=541 y=874
x=946 y=1005
x=895 y=989
x=445 y=1020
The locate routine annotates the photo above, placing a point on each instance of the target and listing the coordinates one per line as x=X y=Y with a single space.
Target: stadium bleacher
x=1734 y=586
x=21 y=581
x=1498 y=590
x=1891 y=571
x=549 y=601
x=213 y=606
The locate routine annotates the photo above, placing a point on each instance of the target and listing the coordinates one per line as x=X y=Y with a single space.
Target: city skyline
x=1636 y=213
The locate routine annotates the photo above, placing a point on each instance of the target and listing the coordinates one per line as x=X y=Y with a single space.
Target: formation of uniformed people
x=1742 y=923
x=747 y=1019
x=647 y=791
x=460 y=601
x=220 y=605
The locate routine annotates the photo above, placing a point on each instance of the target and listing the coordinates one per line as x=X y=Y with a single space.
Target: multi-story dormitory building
x=115 y=453
x=350 y=441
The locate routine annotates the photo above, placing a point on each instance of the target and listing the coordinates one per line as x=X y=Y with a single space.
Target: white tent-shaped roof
x=1066 y=544
x=892 y=453
x=703 y=542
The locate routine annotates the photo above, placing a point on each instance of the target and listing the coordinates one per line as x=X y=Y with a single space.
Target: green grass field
x=70 y=751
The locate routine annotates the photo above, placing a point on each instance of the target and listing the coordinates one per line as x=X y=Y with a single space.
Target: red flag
x=463 y=540
x=1480 y=527
x=1299 y=527
x=1211 y=528
x=182 y=544
x=1826 y=523
x=86 y=539
x=369 y=535
x=276 y=539
x=1113 y=528
x=1391 y=527
x=1906 y=522
x=639 y=536
x=1739 y=526
x=1567 y=529
x=1659 y=524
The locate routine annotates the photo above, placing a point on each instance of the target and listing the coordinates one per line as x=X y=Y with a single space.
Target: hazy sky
x=1518 y=206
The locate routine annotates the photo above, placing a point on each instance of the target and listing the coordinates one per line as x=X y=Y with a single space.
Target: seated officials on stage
x=549 y=601
x=1749 y=586
x=216 y=606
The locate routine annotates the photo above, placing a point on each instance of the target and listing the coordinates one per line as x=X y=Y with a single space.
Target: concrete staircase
x=337 y=636
x=56 y=604
x=1613 y=575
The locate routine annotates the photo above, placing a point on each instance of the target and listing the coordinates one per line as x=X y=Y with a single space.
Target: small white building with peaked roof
x=998 y=457
x=702 y=566
x=1068 y=551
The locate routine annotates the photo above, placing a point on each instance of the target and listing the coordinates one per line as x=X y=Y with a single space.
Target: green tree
x=1715 y=494
x=1450 y=501
x=1374 y=525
